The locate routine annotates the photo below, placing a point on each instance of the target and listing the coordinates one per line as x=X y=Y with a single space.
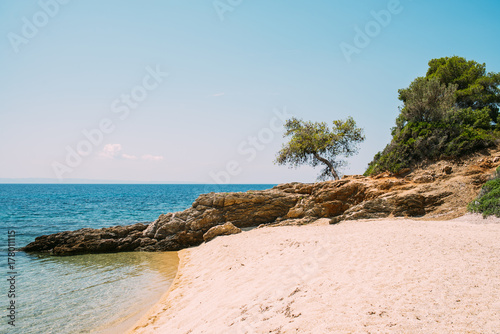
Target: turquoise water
x=97 y=293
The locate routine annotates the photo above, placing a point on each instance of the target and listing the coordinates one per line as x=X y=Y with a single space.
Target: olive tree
x=314 y=143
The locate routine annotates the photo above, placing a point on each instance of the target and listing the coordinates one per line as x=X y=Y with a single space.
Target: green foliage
x=446 y=114
x=479 y=118
x=426 y=100
x=488 y=201
x=314 y=143
x=476 y=88
x=417 y=142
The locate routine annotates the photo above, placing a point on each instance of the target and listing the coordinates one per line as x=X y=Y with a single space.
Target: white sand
x=397 y=276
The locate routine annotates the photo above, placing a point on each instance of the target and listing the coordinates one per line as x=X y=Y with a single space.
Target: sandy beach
x=378 y=276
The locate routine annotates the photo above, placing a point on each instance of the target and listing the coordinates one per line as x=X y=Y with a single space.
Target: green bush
x=479 y=118
x=488 y=200
x=417 y=142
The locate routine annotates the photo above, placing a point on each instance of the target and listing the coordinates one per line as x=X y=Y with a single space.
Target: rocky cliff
x=439 y=191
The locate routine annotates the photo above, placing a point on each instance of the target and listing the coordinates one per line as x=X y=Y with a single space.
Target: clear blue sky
x=74 y=68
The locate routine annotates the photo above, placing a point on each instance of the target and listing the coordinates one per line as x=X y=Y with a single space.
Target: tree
x=446 y=114
x=476 y=88
x=314 y=144
x=426 y=100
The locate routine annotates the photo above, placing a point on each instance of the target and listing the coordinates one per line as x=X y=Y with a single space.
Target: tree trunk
x=329 y=164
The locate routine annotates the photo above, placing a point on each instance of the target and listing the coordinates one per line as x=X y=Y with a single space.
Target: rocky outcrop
x=441 y=190
x=397 y=205
x=226 y=229
x=174 y=231
x=88 y=240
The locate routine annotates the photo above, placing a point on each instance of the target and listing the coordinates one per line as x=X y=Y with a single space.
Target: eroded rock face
x=440 y=190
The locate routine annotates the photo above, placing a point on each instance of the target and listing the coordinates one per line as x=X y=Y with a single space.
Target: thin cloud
x=111 y=151
x=114 y=151
x=152 y=157
x=218 y=94
x=129 y=157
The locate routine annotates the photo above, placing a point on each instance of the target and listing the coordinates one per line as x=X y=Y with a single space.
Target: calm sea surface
x=94 y=293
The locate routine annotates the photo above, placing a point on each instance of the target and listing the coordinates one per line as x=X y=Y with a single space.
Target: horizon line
x=104 y=181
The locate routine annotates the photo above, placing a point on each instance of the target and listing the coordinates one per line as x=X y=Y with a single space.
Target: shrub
x=488 y=200
x=479 y=118
x=418 y=142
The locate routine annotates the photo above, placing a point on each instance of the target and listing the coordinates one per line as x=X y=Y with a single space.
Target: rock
x=290 y=222
x=403 y=172
x=208 y=219
x=408 y=205
x=426 y=178
x=142 y=242
x=151 y=229
x=328 y=209
x=170 y=227
x=347 y=191
x=447 y=170
x=295 y=188
x=295 y=212
x=87 y=240
x=398 y=205
x=388 y=184
x=188 y=238
x=219 y=230
x=105 y=246
x=480 y=179
x=383 y=175
x=354 y=177
x=377 y=208
x=496 y=160
x=473 y=170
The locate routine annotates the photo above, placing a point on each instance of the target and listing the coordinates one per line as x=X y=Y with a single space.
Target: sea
x=94 y=293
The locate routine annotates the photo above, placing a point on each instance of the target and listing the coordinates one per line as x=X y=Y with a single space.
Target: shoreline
x=149 y=315
x=164 y=263
x=392 y=274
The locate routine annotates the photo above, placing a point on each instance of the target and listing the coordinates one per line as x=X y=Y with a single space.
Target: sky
x=197 y=91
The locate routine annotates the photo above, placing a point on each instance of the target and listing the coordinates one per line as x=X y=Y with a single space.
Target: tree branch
x=329 y=164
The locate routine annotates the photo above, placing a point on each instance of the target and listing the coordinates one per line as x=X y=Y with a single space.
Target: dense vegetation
x=488 y=200
x=451 y=112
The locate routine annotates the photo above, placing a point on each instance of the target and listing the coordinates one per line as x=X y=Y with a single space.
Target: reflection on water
x=160 y=262
x=85 y=293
